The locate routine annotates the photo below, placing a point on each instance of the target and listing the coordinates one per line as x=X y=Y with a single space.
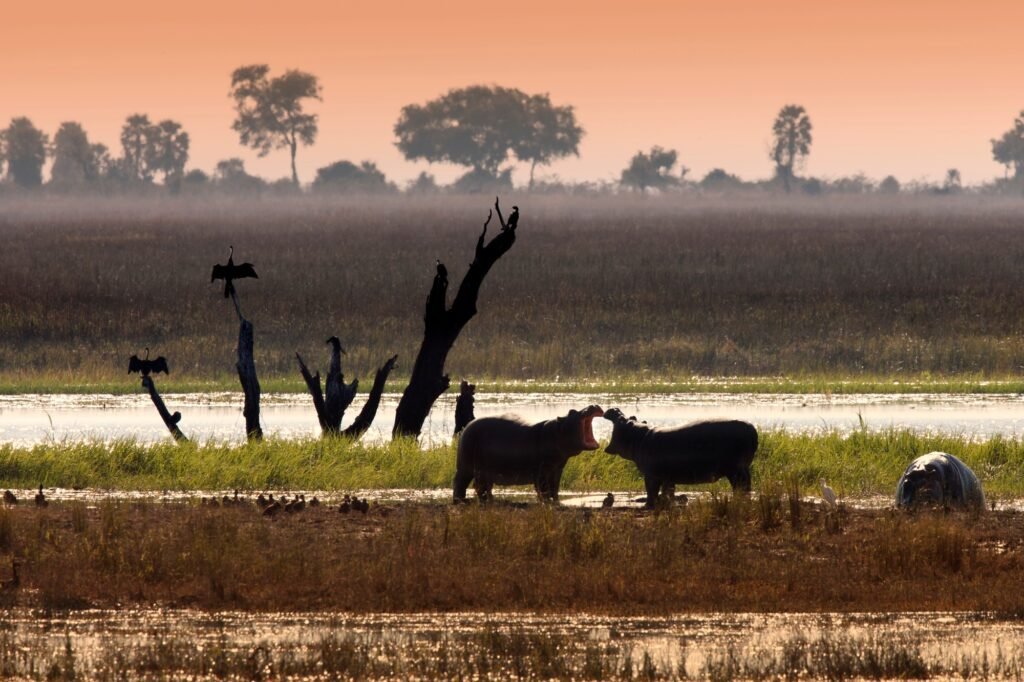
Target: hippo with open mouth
x=941 y=480
x=697 y=453
x=507 y=451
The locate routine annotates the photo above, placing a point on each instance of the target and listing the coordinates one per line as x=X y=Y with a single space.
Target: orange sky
x=909 y=87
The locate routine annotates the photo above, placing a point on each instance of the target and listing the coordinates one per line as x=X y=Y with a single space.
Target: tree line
x=485 y=129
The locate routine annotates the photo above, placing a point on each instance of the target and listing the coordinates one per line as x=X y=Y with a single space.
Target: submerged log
x=442 y=327
x=464 y=406
x=170 y=420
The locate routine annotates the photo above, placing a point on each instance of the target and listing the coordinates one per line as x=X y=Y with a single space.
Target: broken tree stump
x=464 y=406
x=170 y=420
x=365 y=419
x=246 y=367
x=442 y=327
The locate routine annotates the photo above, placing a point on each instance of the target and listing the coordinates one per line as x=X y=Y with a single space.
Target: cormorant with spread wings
x=231 y=272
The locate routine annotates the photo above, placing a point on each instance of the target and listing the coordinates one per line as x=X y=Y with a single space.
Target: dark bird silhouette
x=609 y=500
x=40 y=498
x=442 y=271
x=272 y=508
x=513 y=218
x=346 y=505
x=9 y=497
x=231 y=272
x=145 y=365
x=261 y=501
x=335 y=343
x=314 y=502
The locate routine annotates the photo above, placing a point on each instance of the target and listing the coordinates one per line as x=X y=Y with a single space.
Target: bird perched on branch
x=513 y=219
x=442 y=271
x=335 y=344
x=145 y=365
x=231 y=272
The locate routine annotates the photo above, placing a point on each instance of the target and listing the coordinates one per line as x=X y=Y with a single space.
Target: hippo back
x=960 y=487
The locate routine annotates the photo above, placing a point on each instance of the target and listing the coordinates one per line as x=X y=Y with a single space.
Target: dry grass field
x=767 y=554
x=594 y=288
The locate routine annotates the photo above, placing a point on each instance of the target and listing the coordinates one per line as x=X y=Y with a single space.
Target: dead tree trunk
x=331 y=411
x=247 y=375
x=442 y=326
x=170 y=420
x=358 y=427
x=464 y=406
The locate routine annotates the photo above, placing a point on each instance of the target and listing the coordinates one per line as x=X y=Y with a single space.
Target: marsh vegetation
x=607 y=289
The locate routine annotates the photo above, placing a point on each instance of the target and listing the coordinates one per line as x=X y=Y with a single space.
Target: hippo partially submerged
x=942 y=480
x=507 y=451
x=697 y=453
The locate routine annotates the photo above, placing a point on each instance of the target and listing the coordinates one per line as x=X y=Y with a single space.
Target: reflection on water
x=523 y=645
x=27 y=419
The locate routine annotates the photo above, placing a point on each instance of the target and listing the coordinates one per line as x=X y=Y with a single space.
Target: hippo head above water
x=923 y=486
x=941 y=480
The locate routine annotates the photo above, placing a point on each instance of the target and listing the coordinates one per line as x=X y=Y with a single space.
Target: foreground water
x=132 y=643
x=29 y=419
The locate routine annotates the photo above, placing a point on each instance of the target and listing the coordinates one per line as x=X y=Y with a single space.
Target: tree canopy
x=75 y=160
x=653 y=169
x=791 y=140
x=1009 y=149
x=345 y=176
x=149 y=149
x=271 y=112
x=23 y=149
x=483 y=126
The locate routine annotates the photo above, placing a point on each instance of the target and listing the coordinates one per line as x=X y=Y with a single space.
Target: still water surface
x=28 y=419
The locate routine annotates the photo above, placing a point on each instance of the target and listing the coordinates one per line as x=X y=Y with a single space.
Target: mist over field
x=657 y=289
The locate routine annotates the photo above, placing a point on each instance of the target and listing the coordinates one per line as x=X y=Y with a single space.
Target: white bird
x=828 y=494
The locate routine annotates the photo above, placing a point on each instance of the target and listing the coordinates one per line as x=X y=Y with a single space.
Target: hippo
x=942 y=480
x=508 y=451
x=696 y=453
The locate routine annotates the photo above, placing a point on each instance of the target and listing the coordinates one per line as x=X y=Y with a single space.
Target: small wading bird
x=40 y=498
x=608 y=501
x=231 y=272
x=9 y=497
x=513 y=218
x=828 y=495
x=145 y=365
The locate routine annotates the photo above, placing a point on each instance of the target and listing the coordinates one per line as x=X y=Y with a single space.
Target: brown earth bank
x=765 y=554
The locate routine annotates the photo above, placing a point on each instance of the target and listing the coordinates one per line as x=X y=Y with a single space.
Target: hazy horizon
x=908 y=90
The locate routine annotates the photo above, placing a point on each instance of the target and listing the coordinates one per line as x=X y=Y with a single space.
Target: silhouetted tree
x=136 y=144
x=23 y=148
x=953 y=182
x=167 y=152
x=718 y=180
x=551 y=133
x=889 y=185
x=74 y=158
x=345 y=176
x=230 y=175
x=791 y=141
x=481 y=126
x=425 y=183
x=1009 y=149
x=270 y=110
x=653 y=169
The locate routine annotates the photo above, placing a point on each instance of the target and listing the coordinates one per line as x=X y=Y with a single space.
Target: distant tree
x=718 y=179
x=480 y=181
x=137 y=135
x=167 y=151
x=889 y=185
x=270 y=111
x=952 y=183
x=791 y=141
x=482 y=126
x=1009 y=149
x=550 y=133
x=345 y=176
x=425 y=183
x=74 y=157
x=653 y=169
x=231 y=176
x=23 y=148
